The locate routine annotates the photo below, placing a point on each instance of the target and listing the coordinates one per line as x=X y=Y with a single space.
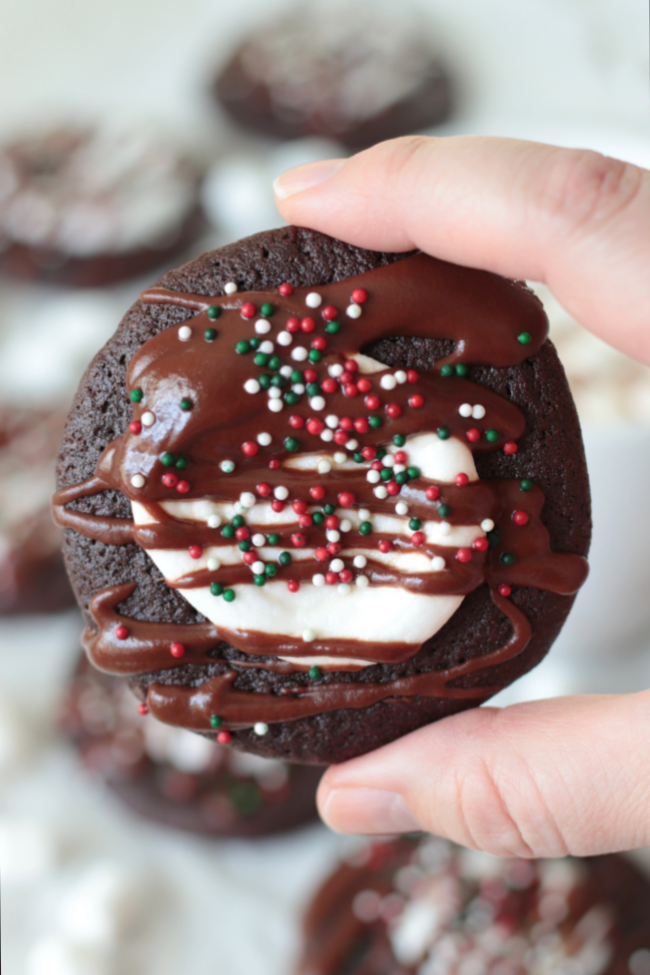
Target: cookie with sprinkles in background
x=179 y=779
x=428 y=907
x=315 y=497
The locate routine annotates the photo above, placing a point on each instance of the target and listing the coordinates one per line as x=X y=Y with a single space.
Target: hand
x=550 y=777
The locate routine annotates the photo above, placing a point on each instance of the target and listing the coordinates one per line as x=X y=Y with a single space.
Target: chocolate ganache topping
x=312 y=504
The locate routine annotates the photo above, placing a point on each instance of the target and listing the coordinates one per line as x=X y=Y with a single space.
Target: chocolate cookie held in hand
x=316 y=496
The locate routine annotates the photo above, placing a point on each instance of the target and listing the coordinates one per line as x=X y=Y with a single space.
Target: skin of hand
x=546 y=778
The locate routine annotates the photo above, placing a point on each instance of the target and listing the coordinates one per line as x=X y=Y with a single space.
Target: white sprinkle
x=138 y=481
x=336 y=565
x=298 y=388
x=227 y=466
x=247 y=499
x=398 y=468
x=327 y=436
x=324 y=466
x=332 y=421
x=148 y=419
x=185 y=333
x=336 y=370
x=487 y=525
x=260 y=728
x=317 y=403
x=353 y=310
x=362 y=582
x=308 y=635
x=352 y=445
x=388 y=381
x=344 y=589
x=333 y=535
x=214 y=521
x=286 y=371
x=444 y=528
x=374 y=477
x=281 y=493
x=318 y=580
x=264 y=439
x=275 y=405
x=252 y=386
x=360 y=562
x=340 y=457
x=364 y=514
x=401 y=508
x=230 y=288
x=266 y=347
x=345 y=525
x=258 y=540
x=299 y=353
x=388 y=461
x=274 y=392
x=214 y=564
x=380 y=492
x=465 y=409
x=239 y=508
x=258 y=568
x=438 y=563
x=313 y=300
x=262 y=327
x=400 y=376
x=478 y=412
x=284 y=338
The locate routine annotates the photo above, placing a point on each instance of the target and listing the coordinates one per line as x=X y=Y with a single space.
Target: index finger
x=574 y=219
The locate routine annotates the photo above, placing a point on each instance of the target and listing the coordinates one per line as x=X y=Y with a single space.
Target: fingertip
x=368 y=812
x=302 y=178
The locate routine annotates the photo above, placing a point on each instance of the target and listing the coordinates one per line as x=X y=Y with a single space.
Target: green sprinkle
x=385 y=473
x=215 y=721
x=365 y=527
x=415 y=524
x=401 y=478
x=278 y=381
x=374 y=421
x=275 y=362
x=461 y=369
x=186 y=404
x=167 y=459
x=267 y=309
x=136 y=395
x=261 y=359
x=214 y=311
x=259 y=580
x=315 y=673
x=210 y=334
x=444 y=433
x=270 y=570
x=229 y=595
x=255 y=342
x=525 y=338
x=332 y=328
x=291 y=399
x=238 y=521
x=381 y=453
x=447 y=371
x=318 y=517
x=264 y=380
x=315 y=355
x=357 y=458
x=414 y=472
x=296 y=376
x=507 y=558
x=180 y=464
x=242 y=347
x=228 y=531
x=284 y=558
x=216 y=589
x=444 y=510
x=245 y=545
x=273 y=539
x=291 y=444
x=525 y=485
x=329 y=509
x=491 y=436
x=399 y=439
x=494 y=539
x=313 y=389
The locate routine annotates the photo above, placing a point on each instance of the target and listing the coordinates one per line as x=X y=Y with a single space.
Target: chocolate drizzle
x=190 y=403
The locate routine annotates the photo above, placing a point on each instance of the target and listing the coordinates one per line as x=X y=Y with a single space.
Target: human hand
x=550 y=777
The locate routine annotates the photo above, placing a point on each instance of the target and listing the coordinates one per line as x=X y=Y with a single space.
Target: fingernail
x=368 y=811
x=304 y=177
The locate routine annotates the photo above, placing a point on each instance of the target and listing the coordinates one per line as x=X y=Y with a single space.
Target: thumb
x=542 y=779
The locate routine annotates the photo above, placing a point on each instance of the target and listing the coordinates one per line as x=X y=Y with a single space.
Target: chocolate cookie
x=316 y=497
x=88 y=207
x=432 y=908
x=352 y=74
x=177 y=778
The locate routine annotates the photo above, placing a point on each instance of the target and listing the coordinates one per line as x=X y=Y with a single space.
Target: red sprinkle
x=332 y=522
x=170 y=480
x=135 y=426
x=285 y=289
x=183 y=487
x=293 y=325
x=350 y=365
x=143 y=709
x=177 y=650
x=274 y=464
x=473 y=434
x=250 y=448
x=241 y=534
x=394 y=410
x=331 y=578
x=333 y=548
x=364 y=385
x=481 y=544
x=346 y=499
x=322 y=554
x=464 y=554
x=376 y=465
x=411 y=376
x=400 y=457
x=196 y=551
x=361 y=425
x=293 y=585
x=320 y=343
x=298 y=540
x=263 y=489
x=310 y=375
x=297 y=422
x=345 y=377
x=224 y=737
x=249 y=557
x=369 y=453
x=416 y=401
x=121 y=632
x=299 y=507
x=317 y=492
x=248 y=309
x=372 y=402
x=341 y=437
x=385 y=546
x=346 y=423
x=345 y=576
x=329 y=313
x=315 y=426
x=277 y=505
x=418 y=538
x=393 y=488
x=462 y=480
x=359 y=295
x=433 y=492
x=329 y=385
x=505 y=590
x=305 y=521
x=510 y=447
x=520 y=518
x=307 y=325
